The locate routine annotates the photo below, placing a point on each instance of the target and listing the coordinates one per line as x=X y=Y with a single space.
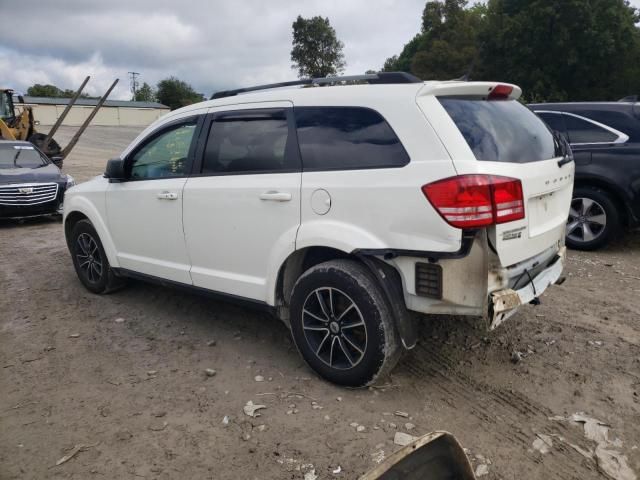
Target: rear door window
x=501 y=130
x=346 y=138
x=256 y=141
x=583 y=131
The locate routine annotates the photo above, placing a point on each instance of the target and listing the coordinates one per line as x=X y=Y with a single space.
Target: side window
x=165 y=155
x=555 y=121
x=583 y=131
x=345 y=138
x=249 y=142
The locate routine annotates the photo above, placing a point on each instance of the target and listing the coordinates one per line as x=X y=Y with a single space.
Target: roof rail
x=629 y=98
x=373 y=78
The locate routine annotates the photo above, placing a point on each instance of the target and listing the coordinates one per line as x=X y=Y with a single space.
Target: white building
x=46 y=110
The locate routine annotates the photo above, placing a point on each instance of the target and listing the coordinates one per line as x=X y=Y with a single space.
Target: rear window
x=346 y=138
x=583 y=131
x=20 y=156
x=501 y=130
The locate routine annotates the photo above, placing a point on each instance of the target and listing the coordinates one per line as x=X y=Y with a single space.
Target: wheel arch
x=81 y=209
x=385 y=274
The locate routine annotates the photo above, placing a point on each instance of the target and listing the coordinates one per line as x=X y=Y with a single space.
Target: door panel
x=234 y=236
x=144 y=213
x=145 y=221
x=242 y=205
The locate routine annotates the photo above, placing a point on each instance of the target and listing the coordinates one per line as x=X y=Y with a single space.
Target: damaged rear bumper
x=504 y=303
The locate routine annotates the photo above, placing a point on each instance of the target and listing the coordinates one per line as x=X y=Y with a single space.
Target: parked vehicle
x=344 y=208
x=30 y=183
x=605 y=139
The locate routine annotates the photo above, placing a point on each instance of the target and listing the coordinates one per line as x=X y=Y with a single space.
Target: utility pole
x=134 y=83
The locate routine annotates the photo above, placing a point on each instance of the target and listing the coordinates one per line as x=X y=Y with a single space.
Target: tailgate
x=504 y=138
x=547 y=190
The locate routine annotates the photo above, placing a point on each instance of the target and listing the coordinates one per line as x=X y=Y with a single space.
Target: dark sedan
x=605 y=139
x=30 y=183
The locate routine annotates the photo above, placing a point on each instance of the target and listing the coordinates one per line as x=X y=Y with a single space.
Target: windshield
x=5 y=105
x=20 y=156
x=501 y=130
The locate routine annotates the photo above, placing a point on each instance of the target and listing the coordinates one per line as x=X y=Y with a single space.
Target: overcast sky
x=214 y=44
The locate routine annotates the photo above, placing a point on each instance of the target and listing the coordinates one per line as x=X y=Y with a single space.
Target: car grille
x=28 y=194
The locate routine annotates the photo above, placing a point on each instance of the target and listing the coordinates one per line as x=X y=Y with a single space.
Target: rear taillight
x=468 y=201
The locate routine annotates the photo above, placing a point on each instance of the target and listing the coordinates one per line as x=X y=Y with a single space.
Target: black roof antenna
x=467 y=76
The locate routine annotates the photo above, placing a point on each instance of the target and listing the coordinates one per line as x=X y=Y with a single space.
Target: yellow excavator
x=20 y=124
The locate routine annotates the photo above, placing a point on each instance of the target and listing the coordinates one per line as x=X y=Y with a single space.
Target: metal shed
x=46 y=110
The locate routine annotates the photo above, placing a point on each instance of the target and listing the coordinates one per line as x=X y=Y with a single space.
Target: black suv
x=605 y=139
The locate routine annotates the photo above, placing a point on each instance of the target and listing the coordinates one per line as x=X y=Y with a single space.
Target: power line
x=133 y=82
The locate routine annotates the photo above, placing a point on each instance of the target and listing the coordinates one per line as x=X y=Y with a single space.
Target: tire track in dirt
x=508 y=413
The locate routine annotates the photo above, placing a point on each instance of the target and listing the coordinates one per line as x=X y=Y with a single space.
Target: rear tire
x=593 y=219
x=90 y=260
x=342 y=324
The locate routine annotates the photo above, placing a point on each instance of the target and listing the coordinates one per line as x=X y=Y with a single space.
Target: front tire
x=342 y=324
x=90 y=259
x=593 y=219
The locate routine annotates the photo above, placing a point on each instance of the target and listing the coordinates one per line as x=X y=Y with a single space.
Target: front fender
x=80 y=204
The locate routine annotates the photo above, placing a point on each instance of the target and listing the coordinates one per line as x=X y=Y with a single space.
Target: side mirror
x=115 y=170
x=57 y=161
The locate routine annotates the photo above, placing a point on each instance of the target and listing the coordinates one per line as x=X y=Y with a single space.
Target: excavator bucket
x=435 y=456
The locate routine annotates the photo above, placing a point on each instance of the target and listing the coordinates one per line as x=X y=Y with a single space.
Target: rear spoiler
x=488 y=90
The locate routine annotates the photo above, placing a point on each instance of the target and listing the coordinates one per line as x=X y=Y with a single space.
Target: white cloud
x=212 y=44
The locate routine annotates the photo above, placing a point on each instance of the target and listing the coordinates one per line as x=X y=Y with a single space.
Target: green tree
x=175 y=93
x=447 y=45
x=557 y=51
x=47 y=90
x=316 y=51
x=145 y=93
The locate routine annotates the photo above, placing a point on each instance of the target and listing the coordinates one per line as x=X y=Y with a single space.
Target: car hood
x=49 y=173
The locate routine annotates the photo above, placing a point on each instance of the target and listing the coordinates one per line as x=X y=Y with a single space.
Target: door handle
x=276 y=196
x=167 y=196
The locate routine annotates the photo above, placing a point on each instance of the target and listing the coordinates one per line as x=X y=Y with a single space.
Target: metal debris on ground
x=210 y=372
x=311 y=475
x=252 y=410
x=403 y=439
x=400 y=413
x=119 y=320
x=378 y=456
x=259 y=378
x=606 y=454
x=482 y=470
x=543 y=443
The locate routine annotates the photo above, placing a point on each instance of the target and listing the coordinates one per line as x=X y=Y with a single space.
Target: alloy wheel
x=89 y=258
x=334 y=328
x=587 y=220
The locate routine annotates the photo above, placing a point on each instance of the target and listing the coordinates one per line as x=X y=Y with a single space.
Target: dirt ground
x=122 y=377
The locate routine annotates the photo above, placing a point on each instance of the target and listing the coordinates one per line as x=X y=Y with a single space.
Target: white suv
x=344 y=205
